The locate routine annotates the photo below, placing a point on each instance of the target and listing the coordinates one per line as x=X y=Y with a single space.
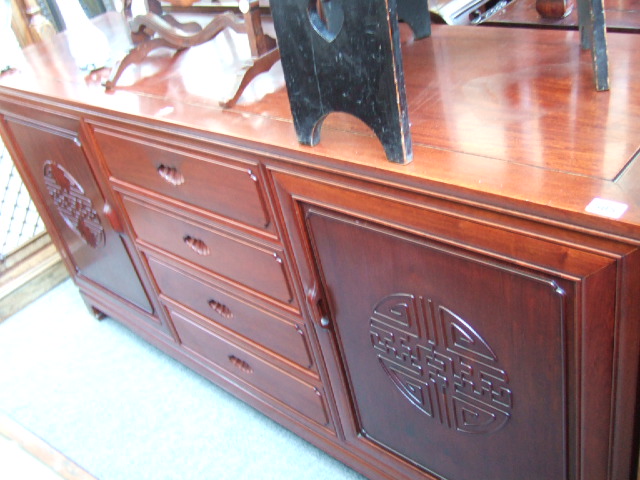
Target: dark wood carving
x=156 y=29
x=240 y=364
x=440 y=364
x=196 y=245
x=264 y=50
x=345 y=57
x=73 y=205
x=221 y=309
x=171 y=175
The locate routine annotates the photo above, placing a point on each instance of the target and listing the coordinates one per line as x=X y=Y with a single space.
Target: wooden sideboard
x=471 y=315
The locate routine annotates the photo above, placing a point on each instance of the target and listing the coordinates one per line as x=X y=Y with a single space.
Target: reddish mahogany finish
x=621 y=15
x=464 y=316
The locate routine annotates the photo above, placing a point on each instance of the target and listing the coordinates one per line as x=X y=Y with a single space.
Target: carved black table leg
x=593 y=37
x=416 y=14
x=344 y=55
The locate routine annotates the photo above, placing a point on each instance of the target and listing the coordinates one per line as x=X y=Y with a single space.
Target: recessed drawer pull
x=196 y=245
x=171 y=175
x=240 y=364
x=220 y=309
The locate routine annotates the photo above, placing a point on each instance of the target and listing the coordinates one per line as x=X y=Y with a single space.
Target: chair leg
x=249 y=72
x=135 y=56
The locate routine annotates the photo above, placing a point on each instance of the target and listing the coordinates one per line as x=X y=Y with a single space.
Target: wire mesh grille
x=19 y=219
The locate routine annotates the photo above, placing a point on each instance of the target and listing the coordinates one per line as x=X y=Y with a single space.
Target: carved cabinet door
x=470 y=344
x=452 y=361
x=58 y=168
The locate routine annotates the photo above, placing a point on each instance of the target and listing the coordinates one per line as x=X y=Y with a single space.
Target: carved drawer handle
x=220 y=309
x=240 y=364
x=171 y=175
x=196 y=245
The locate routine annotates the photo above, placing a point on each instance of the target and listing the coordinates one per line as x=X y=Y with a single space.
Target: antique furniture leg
x=264 y=50
x=416 y=14
x=135 y=56
x=344 y=57
x=155 y=29
x=171 y=34
x=593 y=37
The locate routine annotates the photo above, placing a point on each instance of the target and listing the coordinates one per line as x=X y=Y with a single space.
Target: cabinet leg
x=96 y=312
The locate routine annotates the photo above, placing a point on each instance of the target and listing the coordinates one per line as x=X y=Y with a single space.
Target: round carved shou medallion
x=73 y=205
x=440 y=364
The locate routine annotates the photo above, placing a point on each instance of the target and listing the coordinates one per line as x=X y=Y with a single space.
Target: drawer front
x=258 y=267
x=281 y=336
x=201 y=180
x=298 y=395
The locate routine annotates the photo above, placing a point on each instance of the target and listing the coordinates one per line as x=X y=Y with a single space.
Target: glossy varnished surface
x=621 y=15
x=497 y=115
x=486 y=229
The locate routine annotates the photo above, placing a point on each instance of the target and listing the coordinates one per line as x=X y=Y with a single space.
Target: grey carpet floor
x=123 y=410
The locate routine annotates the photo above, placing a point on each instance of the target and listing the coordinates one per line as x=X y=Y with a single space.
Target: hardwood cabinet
x=469 y=316
x=467 y=338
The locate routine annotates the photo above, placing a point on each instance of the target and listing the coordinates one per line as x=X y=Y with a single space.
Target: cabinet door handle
x=112 y=216
x=317 y=303
x=171 y=175
x=221 y=309
x=240 y=364
x=196 y=245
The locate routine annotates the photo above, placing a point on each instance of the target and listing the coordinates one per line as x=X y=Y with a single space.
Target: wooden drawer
x=287 y=389
x=256 y=266
x=215 y=184
x=280 y=336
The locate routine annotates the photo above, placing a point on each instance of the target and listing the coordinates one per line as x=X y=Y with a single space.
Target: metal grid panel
x=19 y=219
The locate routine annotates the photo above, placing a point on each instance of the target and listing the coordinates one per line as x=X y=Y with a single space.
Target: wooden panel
x=492 y=271
x=225 y=308
x=59 y=169
x=452 y=361
x=292 y=392
x=204 y=180
x=224 y=254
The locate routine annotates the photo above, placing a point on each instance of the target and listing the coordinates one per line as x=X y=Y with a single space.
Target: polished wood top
x=504 y=117
x=621 y=15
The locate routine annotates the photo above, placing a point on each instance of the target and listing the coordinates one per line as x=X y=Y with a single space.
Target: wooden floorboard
x=39 y=452
x=29 y=273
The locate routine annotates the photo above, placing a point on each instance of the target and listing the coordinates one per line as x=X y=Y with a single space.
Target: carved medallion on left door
x=73 y=205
